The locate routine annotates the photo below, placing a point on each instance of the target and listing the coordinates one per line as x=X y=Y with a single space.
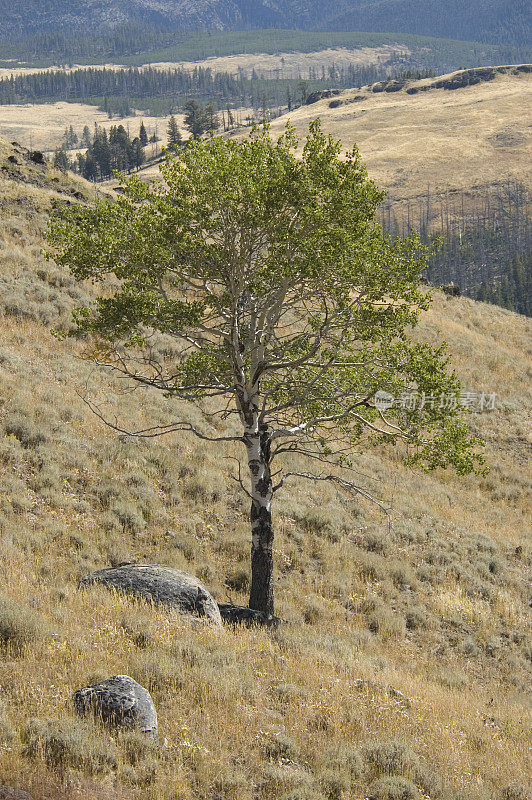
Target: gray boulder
x=162 y=585
x=119 y=701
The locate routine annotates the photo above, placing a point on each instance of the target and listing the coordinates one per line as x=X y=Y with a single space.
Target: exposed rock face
x=162 y=585
x=119 y=701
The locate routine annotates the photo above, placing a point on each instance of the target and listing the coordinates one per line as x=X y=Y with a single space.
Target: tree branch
x=158 y=430
x=346 y=485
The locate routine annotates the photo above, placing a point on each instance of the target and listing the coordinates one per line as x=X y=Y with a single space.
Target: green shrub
x=25 y=430
x=401 y=574
x=516 y=791
x=68 y=744
x=158 y=671
x=238 y=580
x=371 y=566
x=375 y=542
x=418 y=618
x=391 y=758
x=19 y=625
x=382 y=620
x=136 y=746
x=393 y=789
x=128 y=516
x=345 y=757
x=304 y=792
x=281 y=747
x=335 y=785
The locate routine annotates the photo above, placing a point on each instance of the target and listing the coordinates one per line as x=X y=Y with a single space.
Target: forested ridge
x=132 y=44
x=83 y=83
x=153 y=85
x=479 y=20
x=485 y=251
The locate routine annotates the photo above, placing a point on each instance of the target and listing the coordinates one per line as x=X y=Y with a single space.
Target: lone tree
x=288 y=308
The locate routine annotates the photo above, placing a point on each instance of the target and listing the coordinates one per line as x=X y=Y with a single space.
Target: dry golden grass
x=438 y=141
x=291 y=65
x=41 y=127
x=435 y=606
x=284 y=65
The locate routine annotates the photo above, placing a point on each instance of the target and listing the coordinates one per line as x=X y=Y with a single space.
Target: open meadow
x=281 y=65
x=41 y=127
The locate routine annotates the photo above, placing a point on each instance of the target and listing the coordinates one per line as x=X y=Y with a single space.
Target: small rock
x=162 y=585
x=7 y=793
x=119 y=701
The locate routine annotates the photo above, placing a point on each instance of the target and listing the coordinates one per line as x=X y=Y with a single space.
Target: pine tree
x=174 y=134
x=200 y=119
x=138 y=152
x=86 y=137
x=61 y=160
x=143 y=136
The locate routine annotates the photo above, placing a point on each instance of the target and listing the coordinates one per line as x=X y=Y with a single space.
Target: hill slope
x=433 y=607
x=493 y=21
x=434 y=135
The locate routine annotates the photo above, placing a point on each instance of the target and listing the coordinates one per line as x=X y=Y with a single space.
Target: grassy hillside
x=420 y=137
x=404 y=670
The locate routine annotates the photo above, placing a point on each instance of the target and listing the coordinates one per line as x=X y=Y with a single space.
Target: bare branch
x=239 y=479
x=158 y=430
x=346 y=485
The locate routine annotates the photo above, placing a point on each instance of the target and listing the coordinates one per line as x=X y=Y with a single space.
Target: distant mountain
x=478 y=20
x=497 y=21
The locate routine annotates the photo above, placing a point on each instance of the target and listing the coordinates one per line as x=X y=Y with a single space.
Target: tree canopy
x=288 y=308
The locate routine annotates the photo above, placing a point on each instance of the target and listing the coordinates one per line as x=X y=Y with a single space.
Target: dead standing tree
x=286 y=306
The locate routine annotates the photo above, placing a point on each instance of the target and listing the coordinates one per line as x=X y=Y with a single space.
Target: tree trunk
x=261 y=594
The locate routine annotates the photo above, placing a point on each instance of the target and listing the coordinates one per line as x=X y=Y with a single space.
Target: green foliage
x=136 y=45
x=393 y=788
x=235 y=230
x=108 y=152
x=68 y=744
x=200 y=119
x=61 y=160
x=174 y=134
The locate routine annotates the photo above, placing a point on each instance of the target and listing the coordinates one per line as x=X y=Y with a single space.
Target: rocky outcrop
x=119 y=701
x=161 y=585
